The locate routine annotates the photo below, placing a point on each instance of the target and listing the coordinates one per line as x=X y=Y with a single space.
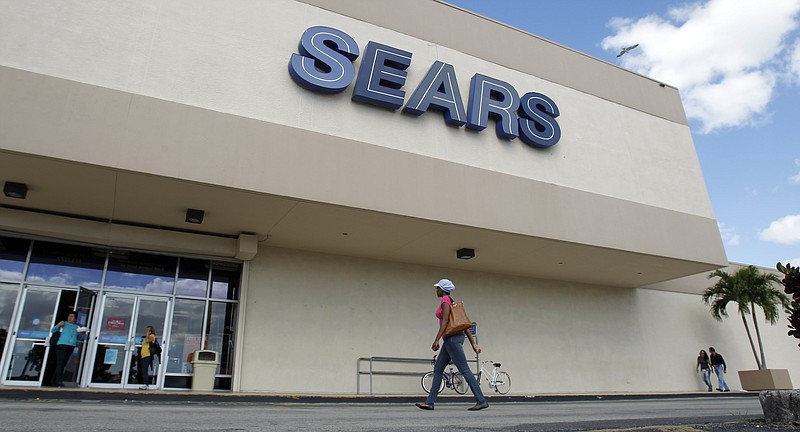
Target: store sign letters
x=325 y=64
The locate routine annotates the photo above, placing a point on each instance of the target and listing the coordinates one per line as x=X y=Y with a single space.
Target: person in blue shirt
x=66 y=344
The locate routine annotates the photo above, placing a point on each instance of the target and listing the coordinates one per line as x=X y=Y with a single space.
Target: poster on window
x=114 y=323
x=111 y=357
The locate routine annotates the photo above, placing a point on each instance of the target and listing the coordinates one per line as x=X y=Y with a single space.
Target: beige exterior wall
x=199 y=92
x=234 y=60
x=320 y=313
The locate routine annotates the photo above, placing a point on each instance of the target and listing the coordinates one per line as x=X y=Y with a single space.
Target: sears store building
x=282 y=182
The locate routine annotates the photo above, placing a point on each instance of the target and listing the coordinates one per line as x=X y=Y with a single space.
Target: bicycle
x=498 y=380
x=451 y=379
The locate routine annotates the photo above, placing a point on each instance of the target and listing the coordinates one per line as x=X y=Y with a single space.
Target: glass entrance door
x=28 y=344
x=118 y=336
x=84 y=308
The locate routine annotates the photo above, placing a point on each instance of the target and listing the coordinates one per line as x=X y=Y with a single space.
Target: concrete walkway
x=45 y=393
x=89 y=410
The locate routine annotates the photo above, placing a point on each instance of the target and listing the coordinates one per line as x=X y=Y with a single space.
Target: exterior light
x=15 y=190
x=465 y=253
x=195 y=216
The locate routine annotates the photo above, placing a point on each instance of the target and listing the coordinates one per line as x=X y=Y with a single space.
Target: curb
x=38 y=394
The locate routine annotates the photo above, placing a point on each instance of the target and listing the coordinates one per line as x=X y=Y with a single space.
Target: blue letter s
x=325 y=62
x=537 y=124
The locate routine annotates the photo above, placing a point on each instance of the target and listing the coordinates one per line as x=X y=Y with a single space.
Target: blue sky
x=737 y=65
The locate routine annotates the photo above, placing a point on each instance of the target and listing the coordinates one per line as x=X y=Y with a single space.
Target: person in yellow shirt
x=146 y=357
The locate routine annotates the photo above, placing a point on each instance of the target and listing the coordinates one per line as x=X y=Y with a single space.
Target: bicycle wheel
x=460 y=383
x=427 y=381
x=503 y=383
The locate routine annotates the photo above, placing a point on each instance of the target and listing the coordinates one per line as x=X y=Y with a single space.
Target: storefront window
x=64 y=264
x=203 y=293
x=192 y=278
x=13 y=253
x=8 y=299
x=142 y=272
x=221 y=322
x=186 y=331
x=225 y=281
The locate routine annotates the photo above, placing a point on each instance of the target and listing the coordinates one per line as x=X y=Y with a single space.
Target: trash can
x=204 y=369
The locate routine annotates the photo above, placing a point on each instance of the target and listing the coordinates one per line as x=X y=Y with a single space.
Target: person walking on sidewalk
x=720 y=368
x=704 y=368
x=452 y=350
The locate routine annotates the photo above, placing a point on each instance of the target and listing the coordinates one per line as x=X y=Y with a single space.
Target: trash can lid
x=205 y=355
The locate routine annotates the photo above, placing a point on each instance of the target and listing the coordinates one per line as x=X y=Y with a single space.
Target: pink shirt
x=445 y=298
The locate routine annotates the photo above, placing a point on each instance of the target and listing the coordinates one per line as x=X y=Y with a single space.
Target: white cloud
x=729 y=236
x=794 y=62
x=785 y=230
x=159 y=285
x=724 y=55
x=795 y=178
x=10 y=275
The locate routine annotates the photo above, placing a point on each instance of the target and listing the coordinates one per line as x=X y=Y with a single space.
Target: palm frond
x=749 y=288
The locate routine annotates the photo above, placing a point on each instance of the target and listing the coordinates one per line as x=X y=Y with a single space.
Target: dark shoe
x=425 y=406
x=727 y=390
x=479 y=406
x=719 y=389
x=710 y=390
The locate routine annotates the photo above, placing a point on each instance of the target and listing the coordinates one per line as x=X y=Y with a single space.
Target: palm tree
x=748 y=288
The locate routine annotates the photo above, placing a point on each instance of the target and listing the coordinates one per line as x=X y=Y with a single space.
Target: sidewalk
x=123 y=411
x=170 y=396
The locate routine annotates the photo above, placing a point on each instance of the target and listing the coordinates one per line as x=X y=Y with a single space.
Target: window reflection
x=13 y=253
x=225 y=281
x=186 y=331
x=8 y=299
x=192 y=278
x=135 y=271
x=196 y=323
x=221 y=323
x=63 y=264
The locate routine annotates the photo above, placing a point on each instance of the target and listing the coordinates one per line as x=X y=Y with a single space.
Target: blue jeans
x=720 y=371
x=453 y=350
x=707 y=378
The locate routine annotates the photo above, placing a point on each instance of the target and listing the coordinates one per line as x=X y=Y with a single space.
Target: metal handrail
x=378 y=359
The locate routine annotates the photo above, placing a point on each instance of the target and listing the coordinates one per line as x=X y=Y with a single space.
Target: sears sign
x=325 y=65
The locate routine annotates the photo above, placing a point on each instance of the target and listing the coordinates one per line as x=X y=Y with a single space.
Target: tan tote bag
x=459 y=321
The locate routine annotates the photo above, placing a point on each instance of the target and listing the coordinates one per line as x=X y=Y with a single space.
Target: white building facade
x=341 y=153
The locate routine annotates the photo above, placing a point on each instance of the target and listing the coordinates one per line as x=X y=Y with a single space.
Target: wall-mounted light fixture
x=195 y=216
x=465 y=253
x=15 y=190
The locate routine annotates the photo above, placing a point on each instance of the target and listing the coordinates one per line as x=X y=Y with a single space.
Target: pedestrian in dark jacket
x=719 y=368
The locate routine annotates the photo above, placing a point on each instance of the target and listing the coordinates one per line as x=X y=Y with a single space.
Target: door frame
x=13 y=336
x=132 y=343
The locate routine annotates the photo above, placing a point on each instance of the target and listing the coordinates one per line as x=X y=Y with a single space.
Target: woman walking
x=705 y=369
x=452 y=350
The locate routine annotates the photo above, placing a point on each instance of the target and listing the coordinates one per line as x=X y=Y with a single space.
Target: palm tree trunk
x=763 y=364
x=750 y=337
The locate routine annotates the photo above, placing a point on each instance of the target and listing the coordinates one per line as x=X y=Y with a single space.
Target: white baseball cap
x=445 y=285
